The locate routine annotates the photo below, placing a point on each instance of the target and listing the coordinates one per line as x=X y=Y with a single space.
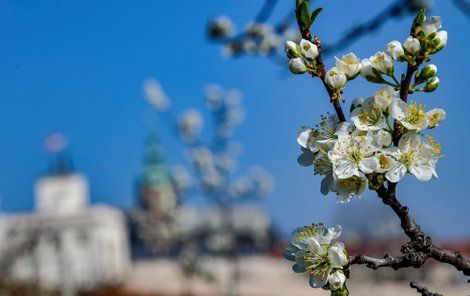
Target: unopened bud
x=292 y=49
x=431 y=85
x=426 y=73
x=412 y=45
x=297 y=66
x=438 y=42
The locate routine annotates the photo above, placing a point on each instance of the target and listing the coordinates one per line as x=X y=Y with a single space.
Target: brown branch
x=422 y=289
x=305 y=32
x=421 y=246
x=413 y=259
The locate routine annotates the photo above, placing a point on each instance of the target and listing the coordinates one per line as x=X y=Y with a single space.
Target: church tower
x=61 y=190
x=155 y=186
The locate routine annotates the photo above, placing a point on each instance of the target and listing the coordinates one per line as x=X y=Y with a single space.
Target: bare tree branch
x=422 y=289
x=421 y=246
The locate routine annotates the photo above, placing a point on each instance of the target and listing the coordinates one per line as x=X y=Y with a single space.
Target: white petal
x=396 y=173
x=345 y=170
x=422 y=172
x=368 y=165
x=398 y=109
x=327 y=184
x=304 y=137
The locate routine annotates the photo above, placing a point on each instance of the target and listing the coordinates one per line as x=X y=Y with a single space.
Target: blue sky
x=78 y=67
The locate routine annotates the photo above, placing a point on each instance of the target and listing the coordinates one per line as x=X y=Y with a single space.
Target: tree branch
x=422 y=289
x=414 y=259
x=421 y=246
x=305 y=32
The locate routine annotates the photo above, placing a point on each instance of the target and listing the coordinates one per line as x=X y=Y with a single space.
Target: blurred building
x=161 y=224
x=65 y=243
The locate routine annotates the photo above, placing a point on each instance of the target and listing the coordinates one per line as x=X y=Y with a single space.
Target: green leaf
x=419 y=19
x=302 y=12
x=315 y=13
x=305 y=13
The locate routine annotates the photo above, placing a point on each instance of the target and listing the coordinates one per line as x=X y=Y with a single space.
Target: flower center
x=369 y=117
x=383 y=161
x=407 y=158
x=379 y=58
x=415 y=114
x=353 y=183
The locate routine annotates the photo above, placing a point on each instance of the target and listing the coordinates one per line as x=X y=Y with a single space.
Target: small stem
x=395 y=79
x=389 y=83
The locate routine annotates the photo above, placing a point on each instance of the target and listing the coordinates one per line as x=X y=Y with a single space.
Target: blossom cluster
x=256 y=38
x=313 y=250
x=352 y=155
x=359 y=154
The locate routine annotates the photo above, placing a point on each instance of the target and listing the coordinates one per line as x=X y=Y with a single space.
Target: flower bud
x=297 y=66
x=431 y=84
x=221 y=27
x=395 y=50
x=292 y=49
x=309 y=50
x=335 y=78
x=382 y=63
x=336 y=280
x=426 y=73
x=412 y=45
x=438 y=42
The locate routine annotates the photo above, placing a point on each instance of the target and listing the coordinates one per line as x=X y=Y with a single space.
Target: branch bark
x=419 y=249
x=422 y=289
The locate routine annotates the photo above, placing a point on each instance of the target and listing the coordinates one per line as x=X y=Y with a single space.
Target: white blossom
x=155 y=95
x=190 y=123
x=221 y=27
x=352 y=154
x=369 y=116
x=384 y=96
x=335 y=78
x=309 y=50
x=382 y=138
x=382 y=63
x=412 y=156
x=385 y=162
x=411 y=116
x=395 y=50
x=312 y=249
x=431 y=25
x=213 y=94
x=346 y=188
x=349 y=64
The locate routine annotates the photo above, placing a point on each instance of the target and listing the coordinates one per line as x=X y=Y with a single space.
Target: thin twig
x=305 y=32
x=422 y=289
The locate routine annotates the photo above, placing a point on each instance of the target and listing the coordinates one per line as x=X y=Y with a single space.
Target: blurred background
x=148 y=148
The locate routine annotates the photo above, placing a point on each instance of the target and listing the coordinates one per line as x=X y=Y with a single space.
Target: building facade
x=65 y=243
